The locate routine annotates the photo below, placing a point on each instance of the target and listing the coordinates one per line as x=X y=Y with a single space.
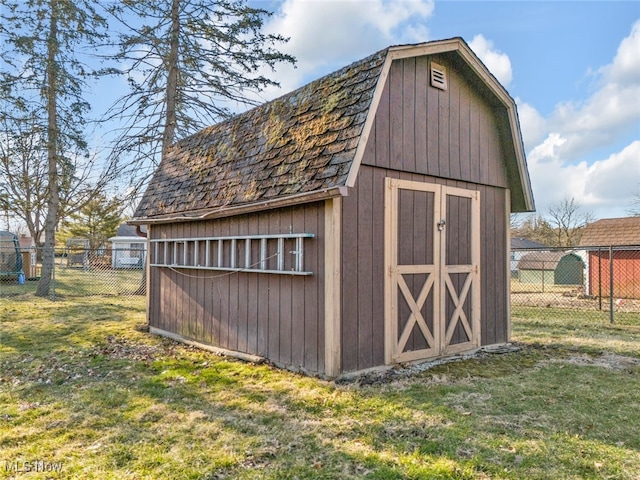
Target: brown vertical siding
x=423 y=134
x=350 y=270
x=449 y=133
x=312 y=315
x=421 y=128
x=275 y=316
x=363 y=263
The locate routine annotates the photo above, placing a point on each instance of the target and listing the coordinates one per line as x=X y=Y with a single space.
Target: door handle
x=441 y=224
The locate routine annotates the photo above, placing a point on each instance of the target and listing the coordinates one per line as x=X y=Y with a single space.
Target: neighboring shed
x=128 y=249
x=28 y=251
x=623 y=235
x=551 y=268
x=10 y=258
x=519 y=248
x=357 y=222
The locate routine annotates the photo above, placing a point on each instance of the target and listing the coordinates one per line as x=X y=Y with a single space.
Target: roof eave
x=220 y=212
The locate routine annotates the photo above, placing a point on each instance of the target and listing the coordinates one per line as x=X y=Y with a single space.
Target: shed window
x=281 y=253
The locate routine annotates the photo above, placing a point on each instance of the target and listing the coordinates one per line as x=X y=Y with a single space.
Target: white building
x=128 y=250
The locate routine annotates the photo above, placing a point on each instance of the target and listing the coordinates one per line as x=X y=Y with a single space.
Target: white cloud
x=611 y=111
x=546 y=151
x=497 y=62
x=328 y=34
x=557 y=145
x=532 y=124
x=625 y=69
x=605 y=186
x=615 y=179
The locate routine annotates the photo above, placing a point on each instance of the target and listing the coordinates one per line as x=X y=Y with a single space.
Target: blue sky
x=572 y=66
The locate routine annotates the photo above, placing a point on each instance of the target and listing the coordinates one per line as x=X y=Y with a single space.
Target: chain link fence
x=77 y=272
x=589 y=282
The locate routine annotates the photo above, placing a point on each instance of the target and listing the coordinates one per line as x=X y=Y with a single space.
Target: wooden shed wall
x=363 y=273
x=280 y=317
x=449 y=133
x=428 y=135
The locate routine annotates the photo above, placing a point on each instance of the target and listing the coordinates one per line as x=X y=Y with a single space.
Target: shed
x=28 y=251
x=10 y=258
x=355 y=223
x=519 y=248
x=128 y=249
x=551 y=268
x=623 y=236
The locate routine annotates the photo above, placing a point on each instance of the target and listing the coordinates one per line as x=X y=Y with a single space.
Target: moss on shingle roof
x=302 y=142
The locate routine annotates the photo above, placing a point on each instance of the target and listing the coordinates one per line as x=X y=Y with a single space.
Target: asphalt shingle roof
x=540 y=260
x=302 y=142
x=612 y=232
x=517 y=242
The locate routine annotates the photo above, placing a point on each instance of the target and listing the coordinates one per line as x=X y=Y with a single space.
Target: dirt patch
x=122 y=348
x=407 y=370
x=610 y=361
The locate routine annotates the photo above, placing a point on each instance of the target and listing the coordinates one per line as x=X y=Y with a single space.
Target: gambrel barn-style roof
x=307 y=145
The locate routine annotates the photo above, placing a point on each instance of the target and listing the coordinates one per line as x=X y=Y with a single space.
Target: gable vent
x=438 y=76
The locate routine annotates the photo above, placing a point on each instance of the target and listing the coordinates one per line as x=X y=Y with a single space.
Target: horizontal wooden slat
x=229 y=269
x=230 y=253
x=235 y=237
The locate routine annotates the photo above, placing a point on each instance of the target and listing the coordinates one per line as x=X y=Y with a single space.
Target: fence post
x=600 y=277
x=53 y=277
x=611 y=283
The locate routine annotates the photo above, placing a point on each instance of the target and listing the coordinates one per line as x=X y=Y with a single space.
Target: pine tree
x=97 y=221
x=44 y=77
x=188 y=62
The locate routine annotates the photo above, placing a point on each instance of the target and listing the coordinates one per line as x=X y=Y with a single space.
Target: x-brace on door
x=432 y=265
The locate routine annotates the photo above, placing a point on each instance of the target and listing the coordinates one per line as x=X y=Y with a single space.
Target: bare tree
x=634 y=210
x=536 y=228
x=23 y=189
x=568 y=220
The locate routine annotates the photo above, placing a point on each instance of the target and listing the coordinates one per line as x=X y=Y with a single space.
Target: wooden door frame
x=473 y=271
x=439 y=270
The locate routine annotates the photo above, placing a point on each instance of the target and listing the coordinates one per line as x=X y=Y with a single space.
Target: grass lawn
x=77 y=282
x=85 y=395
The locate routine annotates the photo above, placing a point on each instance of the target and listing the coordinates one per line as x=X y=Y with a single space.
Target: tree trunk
x=168 y=135
x=169 y=132
x=53 y=202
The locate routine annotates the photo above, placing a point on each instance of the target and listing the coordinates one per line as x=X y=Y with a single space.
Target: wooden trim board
x=332 y=286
